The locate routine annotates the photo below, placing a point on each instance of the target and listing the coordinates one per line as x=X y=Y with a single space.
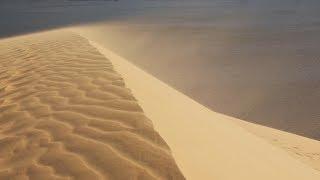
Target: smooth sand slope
x=267 y=76
x=305 y=149
x=205 y=144
x=66 y=114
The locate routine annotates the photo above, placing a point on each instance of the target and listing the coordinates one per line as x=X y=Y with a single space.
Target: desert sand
x=71 y=109
x=209 y=145
x=305 y=149
x=239 y=73
x=66 y=114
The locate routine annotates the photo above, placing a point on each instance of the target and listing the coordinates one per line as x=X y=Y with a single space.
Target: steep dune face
x=65 y=113
x=206 y=144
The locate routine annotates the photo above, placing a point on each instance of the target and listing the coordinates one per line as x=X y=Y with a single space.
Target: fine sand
x=209 y=145
x=66 y=114
x=263 y=76
x=305 y=149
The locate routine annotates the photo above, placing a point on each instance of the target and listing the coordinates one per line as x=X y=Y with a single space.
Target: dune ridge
x=66 y=113
x=206 y=144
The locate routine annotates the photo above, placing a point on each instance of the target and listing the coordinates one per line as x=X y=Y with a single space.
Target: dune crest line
x=66 y=113
x=207 y=144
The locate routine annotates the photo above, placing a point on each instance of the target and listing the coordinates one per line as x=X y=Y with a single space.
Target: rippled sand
x=65 y=113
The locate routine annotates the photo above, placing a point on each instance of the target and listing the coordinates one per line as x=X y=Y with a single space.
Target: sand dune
x=206 y=144
x=65 y=113
x=305 y=149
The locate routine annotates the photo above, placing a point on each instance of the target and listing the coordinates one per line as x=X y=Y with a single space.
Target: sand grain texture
x=208 y=145
x=66 y=114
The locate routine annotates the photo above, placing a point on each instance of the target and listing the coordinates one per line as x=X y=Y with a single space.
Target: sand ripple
x=66 y=114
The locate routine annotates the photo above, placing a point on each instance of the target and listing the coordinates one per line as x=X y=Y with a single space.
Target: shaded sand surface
x=65 y=113
x=206 y=144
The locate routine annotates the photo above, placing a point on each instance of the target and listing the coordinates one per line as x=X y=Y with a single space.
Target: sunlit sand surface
x=65 y=113
x=209 y=145
x=305 y=149
x=71 y=109
x=195 y=89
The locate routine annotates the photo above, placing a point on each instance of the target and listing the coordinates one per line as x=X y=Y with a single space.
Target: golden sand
x=207 y=145
x=65 y=113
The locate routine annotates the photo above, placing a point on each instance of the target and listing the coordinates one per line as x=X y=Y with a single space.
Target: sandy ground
x=209 y=145
x=262 y=76
x=305 y=149
x=65 y=113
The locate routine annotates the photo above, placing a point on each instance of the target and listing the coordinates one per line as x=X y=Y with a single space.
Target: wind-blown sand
x=205 y=144
x=65 y=113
